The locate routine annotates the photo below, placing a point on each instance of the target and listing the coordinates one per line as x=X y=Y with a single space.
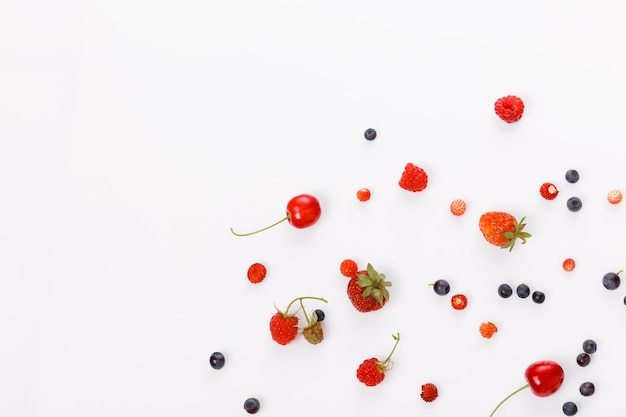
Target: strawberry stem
x=507 y=397
x=300 y=299
x=260 y=230
x=396 y=337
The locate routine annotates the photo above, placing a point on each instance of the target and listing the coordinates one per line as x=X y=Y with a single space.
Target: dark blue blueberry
x=587 y=389
x=523 y=291
x=574 y=204
x=590 y=346
x=538 y=297
x=217 y=360
x=251 y=405
x=583 y=359
x=569 y=408
x=505 y=291
x=572 y=176
x=441 y=287
x=320 y=315
x=611 y=281
x=370 y=134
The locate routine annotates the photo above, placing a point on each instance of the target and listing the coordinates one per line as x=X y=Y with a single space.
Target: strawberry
x=509 y=108
x=413 y=178
x=458 y=301
x=348 y=268
x=284 y=326
x=548 y=191
x=371 y=371
x=502 y=229
x=363 y=194
x=614 y=196
x=429 y=392
x=487 y=329
x=256 y=273
x=569 y=264
x=458 y=207
x=367 y=290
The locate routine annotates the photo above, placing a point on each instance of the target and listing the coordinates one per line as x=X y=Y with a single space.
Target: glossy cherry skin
x=544 y=377
x=303 y=211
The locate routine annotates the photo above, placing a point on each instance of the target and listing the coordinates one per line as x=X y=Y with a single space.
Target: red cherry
x=302 y=211
x=544 y=378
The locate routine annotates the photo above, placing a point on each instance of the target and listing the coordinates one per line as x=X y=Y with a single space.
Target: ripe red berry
x=548 y=191
x=283 y=328
x=569 y=264
x=458 y=207
x=348 y=268
x=363 y=194
x=458 y=301
x=614 y=196
x=413 y=178
x=509 y=108
x=371 y=371
x=429 y=392
x=256 y=273
x=488 y=329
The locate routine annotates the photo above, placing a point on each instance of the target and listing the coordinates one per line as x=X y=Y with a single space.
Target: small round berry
x=572 y=176
x=614 y=196
x=458 y=301
x=429 y=392
x=569 y=264
x=523 y=291
x=363 y=194
x=583 y=359
x=505 y=290
x=370 y=134
x=587 y=389
x=548 y=191
x=487 y=329
x=348 y=268
x=611 y=280
x=538 y=297
x=569 y=408
x=458 y=207
x=441 y=287
x=256 y=273
x=574 y=204
x=251 y=405
x=590 y=346
x=217 y=360
x=509 y=108
x=320 y=315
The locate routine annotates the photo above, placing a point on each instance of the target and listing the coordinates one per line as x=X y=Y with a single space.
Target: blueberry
x=217 y=360
x=572 y=176
x=370 y=134
x=587 y=388
x=441 y=287
x=611 y=281
x=583 y=359
x=320 y=315
x=539 y=297
x=251 y=405
x=523 y=291
x=574 y=204
x=590 y=346
x=505 y=290
x=569 y=408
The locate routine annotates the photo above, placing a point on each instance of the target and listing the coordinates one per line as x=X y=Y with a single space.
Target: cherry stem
x=396 y=337
x=287 y=217
x=507 y=397
x=303 y=298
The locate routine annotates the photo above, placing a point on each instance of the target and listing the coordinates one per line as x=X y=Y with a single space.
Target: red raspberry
x=413 y=178
x=458 y=301
x=569 y=264
x=509 y=108
x=429 y=392
x=458 y=207
x=548 y=191
x=488 y=329
x=363 y=194
x=614 y=196
x=256 y=273
x=348 y=268
x=369 y=372
x=284 y=328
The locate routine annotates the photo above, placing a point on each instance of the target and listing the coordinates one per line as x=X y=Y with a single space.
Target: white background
x=134 y=134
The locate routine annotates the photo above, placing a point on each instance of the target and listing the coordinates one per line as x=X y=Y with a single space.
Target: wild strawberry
x=548 y=191
x=348 y=268
x=458 y=301
x=487 y=329
x=502 y=229
x=413 y=178
x=367 y=290
x=509 y=108
x=614 y=196
x=569 y=264
x=256 y=273
x=284 y=326
x=363 y=194
x=429 y=392
x=371 y=371
x=458 y=207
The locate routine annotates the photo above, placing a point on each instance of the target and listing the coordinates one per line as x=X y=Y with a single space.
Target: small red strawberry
x=458 y=301
x=569 y=264
x=413 y=178
x=367 y=290
x=487 y=330
x=348 y=268
x=509 y=108
x=548 y=191
x=284 y=326
x=371 y=371
x=363 y=194
x=502 y=229
x=614 y=196
x=256 y=273
x=458 y=207
x=429 y=392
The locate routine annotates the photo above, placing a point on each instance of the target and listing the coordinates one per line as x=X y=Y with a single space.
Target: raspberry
x=488 y=329
x=369 y=373
x=509 y=108
x=413 y=178
x=548 y=191
x=284 y=329
x=348 y=268
x=569 y=264
x=458 y=207
x=314 y=334
x=458 y=301
x=614 y=196
x=256 y=273
x=429 y=392
x=363 y=194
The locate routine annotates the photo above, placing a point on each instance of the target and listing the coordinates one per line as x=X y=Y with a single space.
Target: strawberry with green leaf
x=368 y=290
